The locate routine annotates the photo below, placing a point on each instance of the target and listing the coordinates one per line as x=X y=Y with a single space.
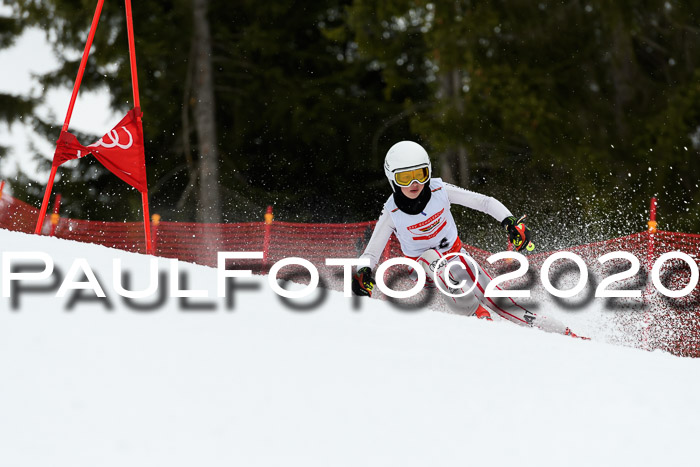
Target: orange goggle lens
x=407 y=177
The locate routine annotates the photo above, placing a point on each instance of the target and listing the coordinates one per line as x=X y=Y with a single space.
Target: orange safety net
x=670 y=324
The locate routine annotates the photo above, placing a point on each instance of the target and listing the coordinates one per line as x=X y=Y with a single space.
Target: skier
x=418 y=213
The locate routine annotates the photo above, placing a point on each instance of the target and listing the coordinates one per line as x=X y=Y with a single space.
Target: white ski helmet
x=403 y=156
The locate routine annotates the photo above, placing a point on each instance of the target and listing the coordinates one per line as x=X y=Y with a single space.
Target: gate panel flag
x=121 y=150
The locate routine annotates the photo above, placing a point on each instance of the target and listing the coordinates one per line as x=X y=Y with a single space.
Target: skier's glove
x=518 y=234
x=363 y=282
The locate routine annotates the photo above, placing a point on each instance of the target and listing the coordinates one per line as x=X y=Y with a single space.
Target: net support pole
x=69 y=113
x=135 y=88
x=155 y=222
x=651 y=231
x=55 y=216
x=652 y=228
x=269 y=216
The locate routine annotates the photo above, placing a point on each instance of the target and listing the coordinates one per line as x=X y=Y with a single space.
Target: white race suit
x=434 y=229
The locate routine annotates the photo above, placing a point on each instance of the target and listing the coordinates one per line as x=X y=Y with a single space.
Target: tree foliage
x=12 y=107
x=570 y=111
x=574 y=110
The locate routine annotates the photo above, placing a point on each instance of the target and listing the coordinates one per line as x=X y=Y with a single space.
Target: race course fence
x=669 y=324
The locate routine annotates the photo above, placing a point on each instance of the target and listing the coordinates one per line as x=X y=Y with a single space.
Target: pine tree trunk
x=209 y=203
x=623 y=68
x=450 y=92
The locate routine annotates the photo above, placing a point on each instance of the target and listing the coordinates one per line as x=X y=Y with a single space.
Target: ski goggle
x=406 y=177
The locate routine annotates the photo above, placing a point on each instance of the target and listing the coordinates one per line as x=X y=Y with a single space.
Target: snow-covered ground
x=340 y=383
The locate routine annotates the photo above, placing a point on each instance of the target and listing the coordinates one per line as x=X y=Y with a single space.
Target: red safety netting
x=674 y=323
x=122 y=235
x=669 y=324
x=199 y=243
x=16 y=215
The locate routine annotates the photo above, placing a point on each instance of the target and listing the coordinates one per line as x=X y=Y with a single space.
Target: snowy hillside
x=338 y=382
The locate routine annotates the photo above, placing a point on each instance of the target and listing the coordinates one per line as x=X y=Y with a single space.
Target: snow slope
x=340 y=383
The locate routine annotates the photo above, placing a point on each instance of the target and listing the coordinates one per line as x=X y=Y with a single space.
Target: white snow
x=263 y=384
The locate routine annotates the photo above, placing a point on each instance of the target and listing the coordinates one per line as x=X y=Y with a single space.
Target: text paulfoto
x=42 y=268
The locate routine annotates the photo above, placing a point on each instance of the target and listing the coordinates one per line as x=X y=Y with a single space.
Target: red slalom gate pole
x=45 y=202
x=147 y=223
x=132 y=52
x=83 y=62
x=137 y=104
x=69 y=113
